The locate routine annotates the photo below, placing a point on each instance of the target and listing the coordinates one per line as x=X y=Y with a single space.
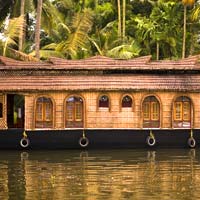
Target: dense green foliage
x=77 y=29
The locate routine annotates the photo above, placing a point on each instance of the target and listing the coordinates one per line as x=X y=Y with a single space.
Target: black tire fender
x=83 y=142
x=151 y=141
x=191 y=142
x=24 y=142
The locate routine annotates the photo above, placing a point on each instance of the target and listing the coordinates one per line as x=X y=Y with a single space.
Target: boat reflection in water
x=114 y=174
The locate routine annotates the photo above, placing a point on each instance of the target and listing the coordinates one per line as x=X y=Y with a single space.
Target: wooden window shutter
x=154 y=111
x=47 y=106
x=186 y=111
x=69 y=111
x=78 y=111
x=178 y=111
x=39 y=112
x=146 y=110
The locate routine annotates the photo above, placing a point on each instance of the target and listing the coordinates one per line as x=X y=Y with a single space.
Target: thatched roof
x=56 y=75
x=110 y=83
x=105 y=63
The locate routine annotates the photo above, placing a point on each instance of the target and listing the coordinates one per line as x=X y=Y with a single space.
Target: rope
x=191 y=133
x=24 y=134
x=83 y=133
x=151 y=134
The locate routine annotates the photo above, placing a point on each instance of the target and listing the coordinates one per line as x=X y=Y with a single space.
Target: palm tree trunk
x=157 y=50
x=21 y=35
x=119 y=19
x=124 y=19
x=37 y=29
x=184 y=31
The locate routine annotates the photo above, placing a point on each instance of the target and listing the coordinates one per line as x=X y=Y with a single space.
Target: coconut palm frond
x=64 y=26
x=52 y=17
x=109 y=27
x=51 y=46
x=67 y=4
x=125 y=51
x=83 y=20
x=61 y=46
x=96 y=45
x=12 y=32
x=45 y=54
x=195 y=13
x=20 y=55
x=14 y=27
x=81 y=24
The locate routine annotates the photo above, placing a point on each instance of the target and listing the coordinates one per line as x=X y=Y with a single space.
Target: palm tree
x=11 y=33
x=185 y=4
x=52 y=19
x=37 y=29
x=15 y=9
x=119 y=19
x=9 y=40
x=123 y=19
x=72 y=42
x=82 y=23
x=21 y=36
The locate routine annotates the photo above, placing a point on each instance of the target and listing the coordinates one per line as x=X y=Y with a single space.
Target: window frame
x=188 y=112
x=146 y=113
x=149 y=116
x=103 y=107
x=1 y=110
x=44 y=116
x=71 y=110
x=121 y=102
x=157 y=112
x=2 y=106
x=74 y=121
x=76 y=104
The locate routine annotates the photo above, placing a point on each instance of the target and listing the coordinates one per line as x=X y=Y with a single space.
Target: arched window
x=182 y=112
x=103 y=101
x=1 y=110
x=127 y=102
x=44 y=113
x=74 y=112
x=151 y=112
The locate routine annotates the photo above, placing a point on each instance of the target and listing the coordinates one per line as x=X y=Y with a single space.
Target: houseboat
x=99 y=102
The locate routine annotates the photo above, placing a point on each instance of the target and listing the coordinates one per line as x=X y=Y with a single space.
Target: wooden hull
x=100 y=139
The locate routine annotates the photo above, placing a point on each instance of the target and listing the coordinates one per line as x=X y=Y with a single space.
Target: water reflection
x=97 y=175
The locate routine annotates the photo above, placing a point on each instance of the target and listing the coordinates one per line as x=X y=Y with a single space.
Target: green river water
x=160 y=174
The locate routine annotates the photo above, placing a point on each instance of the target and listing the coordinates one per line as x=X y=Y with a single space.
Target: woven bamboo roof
x=105 y=83
x=104 y=63
x=51 y=76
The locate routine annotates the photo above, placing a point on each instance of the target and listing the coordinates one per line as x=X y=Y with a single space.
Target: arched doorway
x=15 y=111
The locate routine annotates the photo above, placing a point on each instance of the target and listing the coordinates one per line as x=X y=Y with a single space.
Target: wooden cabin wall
x=118 y=117
x=29 y=111
x=3 y=115
x=196 y=106
x=115 y=116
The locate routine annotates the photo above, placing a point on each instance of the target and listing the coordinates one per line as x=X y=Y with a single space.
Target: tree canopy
x=74 y=29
